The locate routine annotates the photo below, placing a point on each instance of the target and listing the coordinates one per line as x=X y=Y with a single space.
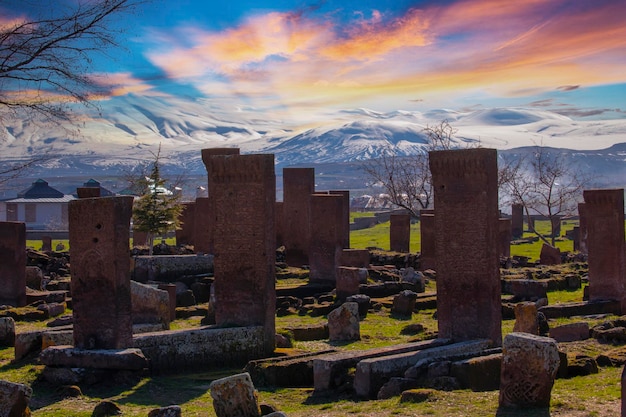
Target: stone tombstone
x=359 y=258
x=206 y=235
x=400 y=232
x=555 y=223
x=526 y=320
x=139 y=238
x=298 y=185
x=529 y=366
x=235 y=396
x=504 y=238
x=582 y=225
x=343 y=323
x=348 y=280
x=345 y=222
x=202 y=234
x=517 y=221
x=466 y=235
x=575 y=235
x=279 y=222
x=244 y=195
x=101 y=295
x=46 y=243
x=88 y=192
x=605 y=243
x=185 y=235
x=326 y=237
x=13 y=263
x=15 y=399
x=549 y=255
x=427 y=234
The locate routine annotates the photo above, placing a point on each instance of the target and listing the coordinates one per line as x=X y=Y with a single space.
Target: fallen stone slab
x=481 y=373
x=69 y=357
x=45 y=296
x=14 y=399
x=330 y=368
x=286 y=371
x=570 y=332
x=372 y=373
x=169 y=268
x=582 y=309
x=31 y=342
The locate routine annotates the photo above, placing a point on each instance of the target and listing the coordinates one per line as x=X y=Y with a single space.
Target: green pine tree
x=158 y=210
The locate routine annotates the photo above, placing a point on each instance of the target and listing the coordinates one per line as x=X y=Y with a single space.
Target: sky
x=306 y=59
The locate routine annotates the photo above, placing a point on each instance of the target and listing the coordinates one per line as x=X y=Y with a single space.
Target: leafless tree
x=406 y=180
x=544 y=183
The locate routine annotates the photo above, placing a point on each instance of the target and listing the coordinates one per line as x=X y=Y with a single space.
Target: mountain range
x=126 y=129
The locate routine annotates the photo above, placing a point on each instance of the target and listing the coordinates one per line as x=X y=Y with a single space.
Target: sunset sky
x=300 y=59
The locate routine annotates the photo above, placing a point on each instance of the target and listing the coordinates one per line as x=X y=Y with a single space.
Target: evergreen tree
x=158 y=210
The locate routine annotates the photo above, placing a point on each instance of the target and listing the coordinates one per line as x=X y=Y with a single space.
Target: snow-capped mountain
x=126 y=129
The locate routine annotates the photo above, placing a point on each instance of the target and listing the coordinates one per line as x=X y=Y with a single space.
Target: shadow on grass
x=522 y=412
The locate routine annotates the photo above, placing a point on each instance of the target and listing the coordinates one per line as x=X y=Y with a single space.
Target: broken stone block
x=235 y=396
x=343 y=323
x=348 y=281
x=549 y=255
x=529 y=366
x=121 y=359
x=14 y=399
x=403 y=304
x=570 y=332
x=7 y=331
x=526 y=318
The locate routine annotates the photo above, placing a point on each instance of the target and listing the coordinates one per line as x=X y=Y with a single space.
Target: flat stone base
x=582 y=309
x=70 y=357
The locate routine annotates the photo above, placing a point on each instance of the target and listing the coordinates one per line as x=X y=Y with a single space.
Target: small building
x=40 y=206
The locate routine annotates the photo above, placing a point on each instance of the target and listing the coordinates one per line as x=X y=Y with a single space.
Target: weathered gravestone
x=343 y=323
x=504 y=238
x=14 y=399
x=344 y=224
x=326 y=236
x=605 y=243
x=298 y=185
x=529 y=366
x=235 y=396
x=526 y=320
x=101 y=300
x=204 y=239
x=88 y=192
x=46 y=243
x=517 y=221
x=400 y=232
x=466 y=227
x=13 y=263
x=279 y=223
x=348 y=280
x=243 y=189
x=582 y=224
x=427 y=234
x=185 y=235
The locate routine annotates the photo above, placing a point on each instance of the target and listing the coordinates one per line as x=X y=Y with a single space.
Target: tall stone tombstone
x=326 y=237
x=279 y=223
x=101 y=298
x=427 y=237
x=576 y=238
x=582 y=224
x=605 y=243
x=185 y=235
x=13 y=263
x=206 y=210
x=517 y=220
x=243 y=189
x=46 y=243
x=555 y=228
x=88 y=192
x=504 y=237
x=345 y=222
x=298 y=185
x=466 y=236
x=400 y=232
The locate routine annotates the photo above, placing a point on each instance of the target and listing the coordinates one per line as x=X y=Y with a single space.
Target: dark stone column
x=244 y=195
x=13 y=263
x=466 y=236
x=504 y=238
x=185 y=235
x=101 y=301
x=326 y=236
x=427 y=234
x=298 y=185
x=517 y=220
x=582 y=224
x=400 y=232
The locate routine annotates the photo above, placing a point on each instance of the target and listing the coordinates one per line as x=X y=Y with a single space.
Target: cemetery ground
x=596 y=394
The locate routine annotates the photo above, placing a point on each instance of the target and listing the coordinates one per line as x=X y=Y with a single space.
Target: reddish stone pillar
x=202 y=233
x=582 y=224
x=605 y=243
x=279 y=223
x=345 y=222
x=517 y=220
x=576 y=238
x=326 y=236
x=244 y=195
x=208 y=212
x=184 y=235
x=466 y=236
x=99 y=234
x=298 y=185
x=13 y=263
x=46 y=243
x=427 y=234
x=139 y=238
x=400 y=232
x=359 y=258
x=88 y=192
x=504 y=238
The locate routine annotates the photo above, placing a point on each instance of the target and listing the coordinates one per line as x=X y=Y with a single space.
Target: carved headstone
x=298 y=185
x=605 y=243
x=517 y=221
x=400 y=232
x=235 y=396
x=185 y=235
x=101 y=298
x=582 y=224
x=427 y=234
x=504 y=238
x=13 y=263
x=243 y=188
x=529 y=366
x=526 y=318
x=326 y=236
x=466 y=227
x=14 y=399
x=343 y=323
x=348 y=280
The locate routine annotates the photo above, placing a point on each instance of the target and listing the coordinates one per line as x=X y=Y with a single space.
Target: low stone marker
x=235 y=396
x=348 y=280
x=529 y=366
x=526 y=318
x=343 y=323
x=570 y=332
x=7 y=331
x=14 y=399
x=404 y=303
